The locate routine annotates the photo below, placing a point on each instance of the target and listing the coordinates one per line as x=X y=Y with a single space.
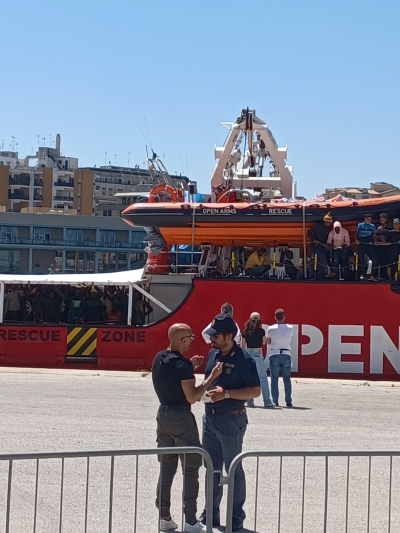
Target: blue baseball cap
x=222 y=324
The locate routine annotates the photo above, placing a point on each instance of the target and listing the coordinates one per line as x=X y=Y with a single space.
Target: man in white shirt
x=226 y=309
x=279 y=338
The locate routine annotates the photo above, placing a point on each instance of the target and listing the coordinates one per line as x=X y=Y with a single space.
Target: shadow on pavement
x=245 y=530
x=280 y=407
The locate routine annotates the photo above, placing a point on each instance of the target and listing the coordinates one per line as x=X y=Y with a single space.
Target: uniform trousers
x=223 y=440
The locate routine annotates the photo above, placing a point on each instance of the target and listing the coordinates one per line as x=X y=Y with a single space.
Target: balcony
x=17 y=195
x=64 y=183
x=38 y=197
x=58 y=243
x=20 y=181
x=38 y=183
x=60 y=198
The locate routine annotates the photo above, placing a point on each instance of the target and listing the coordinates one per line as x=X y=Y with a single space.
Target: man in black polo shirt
x=175 y=386
x=225 y=419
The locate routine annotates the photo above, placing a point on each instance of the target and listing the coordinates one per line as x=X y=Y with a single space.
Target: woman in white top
x=253 y=339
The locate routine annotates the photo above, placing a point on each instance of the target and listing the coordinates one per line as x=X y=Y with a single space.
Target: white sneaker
x=198 y=527
x=168 y=525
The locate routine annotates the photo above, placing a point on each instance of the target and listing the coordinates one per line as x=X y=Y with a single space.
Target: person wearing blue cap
x=225 y=419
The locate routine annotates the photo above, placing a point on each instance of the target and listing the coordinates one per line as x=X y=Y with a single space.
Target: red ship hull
x=343 y=331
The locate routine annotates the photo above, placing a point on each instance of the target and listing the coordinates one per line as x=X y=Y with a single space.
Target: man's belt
x=217 y=412
x=174 y=409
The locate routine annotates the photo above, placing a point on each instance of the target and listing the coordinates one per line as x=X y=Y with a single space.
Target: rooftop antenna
x=148 y=134
x=44 y=141
x=13 y=143
x=38 y=141
x=163 y=158
x=50 y=139
x=115 y=159
x=129 y=158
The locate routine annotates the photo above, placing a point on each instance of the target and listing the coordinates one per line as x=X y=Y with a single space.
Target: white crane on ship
x=235 y=169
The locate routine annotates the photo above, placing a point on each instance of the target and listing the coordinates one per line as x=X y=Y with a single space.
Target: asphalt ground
x=44 y=410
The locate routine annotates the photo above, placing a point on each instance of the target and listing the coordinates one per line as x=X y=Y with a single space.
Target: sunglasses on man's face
x=191 y=337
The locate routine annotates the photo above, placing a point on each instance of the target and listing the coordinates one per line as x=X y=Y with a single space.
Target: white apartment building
x=45 y=179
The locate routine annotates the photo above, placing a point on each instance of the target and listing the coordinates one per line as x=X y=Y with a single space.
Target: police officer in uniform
x=225 y=418
x=175 y=386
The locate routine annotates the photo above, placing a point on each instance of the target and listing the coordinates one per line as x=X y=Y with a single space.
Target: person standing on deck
x=318 y=235
x=225 y=419
x=393 y=238
x=365 y=239
x=253 y=340
x=279 y=339
x=175 y=385
x=339 y=240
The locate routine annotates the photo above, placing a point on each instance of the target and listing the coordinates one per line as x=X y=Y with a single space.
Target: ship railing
x=92 y=490
x=208 y=263
x=314 y=492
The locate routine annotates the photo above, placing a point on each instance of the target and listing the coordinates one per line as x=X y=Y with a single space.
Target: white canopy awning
x=111 y=278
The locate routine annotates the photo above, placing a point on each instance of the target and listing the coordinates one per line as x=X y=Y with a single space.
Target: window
x=97 y=188
x=122 y=261
x=70 y=262
x=58 y=261
x=110 y=191
x=90 y=256
x=74 y=235
x=109 y=213
x=9 y=262
x=9 y=233
x=137 y=239
x=103 y=191
x=365 y=196
x=107 y=237
x=41 y=234
x=104 y=213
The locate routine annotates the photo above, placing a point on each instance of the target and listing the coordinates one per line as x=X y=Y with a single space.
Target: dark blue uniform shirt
x=239 y=371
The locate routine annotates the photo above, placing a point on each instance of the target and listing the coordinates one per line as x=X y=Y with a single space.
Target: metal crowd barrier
x=314 y=492
x=108 y=506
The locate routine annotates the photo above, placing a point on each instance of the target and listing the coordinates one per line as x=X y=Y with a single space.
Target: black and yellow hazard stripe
x=81 y=341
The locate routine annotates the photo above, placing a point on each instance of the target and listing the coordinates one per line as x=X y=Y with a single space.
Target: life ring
x=157 y=193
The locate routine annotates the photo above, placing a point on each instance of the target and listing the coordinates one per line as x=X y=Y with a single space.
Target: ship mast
x=244 y=169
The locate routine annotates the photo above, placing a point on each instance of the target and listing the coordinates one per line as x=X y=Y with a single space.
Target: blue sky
x=324 y=75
